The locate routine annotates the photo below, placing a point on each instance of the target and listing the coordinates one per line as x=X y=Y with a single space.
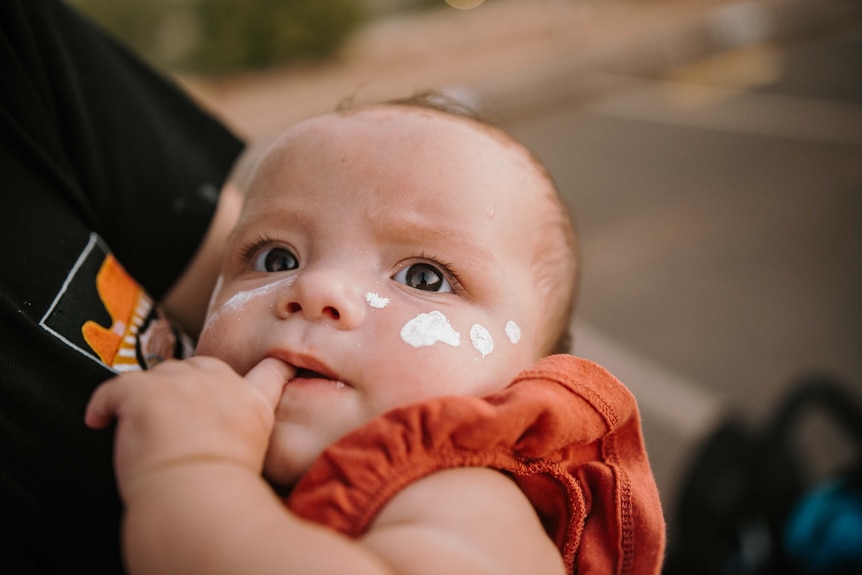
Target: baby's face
x=388 y=255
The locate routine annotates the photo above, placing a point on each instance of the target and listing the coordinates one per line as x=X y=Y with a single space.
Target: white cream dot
x=482 y=340
x=513 y=332
x=428 y=328
x=376 y=301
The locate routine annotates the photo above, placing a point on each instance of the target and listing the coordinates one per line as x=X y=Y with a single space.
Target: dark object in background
x=750 y=505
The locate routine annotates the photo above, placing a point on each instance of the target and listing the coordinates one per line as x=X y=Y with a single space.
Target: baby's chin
x=282 y=472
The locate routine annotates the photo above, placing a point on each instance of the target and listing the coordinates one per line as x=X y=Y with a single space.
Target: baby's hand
x=190 y=411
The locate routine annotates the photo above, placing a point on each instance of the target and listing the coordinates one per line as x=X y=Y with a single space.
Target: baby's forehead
x=399 y=123
x=413 y=143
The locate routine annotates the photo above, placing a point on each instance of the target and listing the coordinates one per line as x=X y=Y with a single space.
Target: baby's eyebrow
x=442 y=238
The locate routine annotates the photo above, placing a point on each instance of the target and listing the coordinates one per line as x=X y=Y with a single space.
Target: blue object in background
x=823 y=534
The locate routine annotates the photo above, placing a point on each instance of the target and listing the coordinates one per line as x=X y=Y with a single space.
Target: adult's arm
x=131 y=155
x=102 y=160
x=186 y=301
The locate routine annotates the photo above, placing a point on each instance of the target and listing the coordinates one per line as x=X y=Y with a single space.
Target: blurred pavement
x=711 y=152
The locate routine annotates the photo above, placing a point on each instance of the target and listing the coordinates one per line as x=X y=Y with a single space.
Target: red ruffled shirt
x=566 y=431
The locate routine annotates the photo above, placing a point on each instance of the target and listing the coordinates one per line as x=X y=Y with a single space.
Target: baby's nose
x=324 y=294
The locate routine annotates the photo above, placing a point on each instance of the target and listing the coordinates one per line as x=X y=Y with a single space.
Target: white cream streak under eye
x=482 y=340
x=428 y=328
x=238 y=300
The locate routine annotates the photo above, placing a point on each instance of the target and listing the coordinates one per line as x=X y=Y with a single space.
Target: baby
x=375 y=389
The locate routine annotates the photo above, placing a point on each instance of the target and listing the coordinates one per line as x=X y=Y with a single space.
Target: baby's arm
x=191 y=439
x=467 y=520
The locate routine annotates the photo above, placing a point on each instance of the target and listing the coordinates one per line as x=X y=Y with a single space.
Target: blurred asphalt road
x=710 y=150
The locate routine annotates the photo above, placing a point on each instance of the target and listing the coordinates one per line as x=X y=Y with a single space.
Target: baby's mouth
x=311 y=375
x=309 y=369
x=302 y=373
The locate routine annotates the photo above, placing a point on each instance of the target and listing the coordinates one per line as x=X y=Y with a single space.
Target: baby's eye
x=425 y=277
x=275 y=260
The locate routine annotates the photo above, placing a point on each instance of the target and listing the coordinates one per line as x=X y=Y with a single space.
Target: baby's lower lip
x=309 y=376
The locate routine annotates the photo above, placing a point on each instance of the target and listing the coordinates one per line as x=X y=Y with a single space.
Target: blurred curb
x=518 y=58
x=663 y=36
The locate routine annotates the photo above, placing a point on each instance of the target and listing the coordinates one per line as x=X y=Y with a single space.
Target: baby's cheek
x=208 y=335
x=213 y=325
x=458 y=354
x=435 y=328
x=218 y=337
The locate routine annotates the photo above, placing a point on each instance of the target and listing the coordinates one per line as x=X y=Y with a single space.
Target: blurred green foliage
x=219 y=36
x=243 y=33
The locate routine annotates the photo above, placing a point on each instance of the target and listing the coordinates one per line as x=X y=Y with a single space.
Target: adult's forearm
x=186 y=302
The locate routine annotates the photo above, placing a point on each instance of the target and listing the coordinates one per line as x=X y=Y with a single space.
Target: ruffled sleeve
x=565 y=430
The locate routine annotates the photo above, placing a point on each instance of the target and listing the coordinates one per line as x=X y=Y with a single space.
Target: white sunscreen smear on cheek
x=238 y=300
x=513 y=332
x=482 y=340
x=376 y=301
x=428 y=328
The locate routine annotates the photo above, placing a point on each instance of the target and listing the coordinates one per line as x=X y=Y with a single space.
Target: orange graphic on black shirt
x=127 y=304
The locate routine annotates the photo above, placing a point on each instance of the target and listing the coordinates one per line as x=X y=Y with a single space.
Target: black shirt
x=109 y=176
